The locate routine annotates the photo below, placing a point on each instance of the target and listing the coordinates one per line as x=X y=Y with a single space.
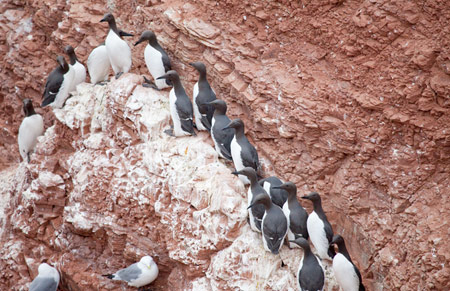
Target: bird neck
x=239 y=132
x=343 y=250
x=292 y=196
x=202 y=77
x=29 y=111
x=178 y=87
x=73 y=58
x=113 y=26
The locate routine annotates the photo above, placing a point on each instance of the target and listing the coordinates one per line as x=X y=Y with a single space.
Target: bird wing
x=54 y=81
x=184 y=109
x=43 y=284
x=250 y=158
x=130 y=273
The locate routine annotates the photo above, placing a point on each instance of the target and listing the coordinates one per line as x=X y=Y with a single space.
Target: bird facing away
x=319 y=229
x=243 y=152
x=222 y=138
x=119 y=52
x=58 y=84
x=156 y=59
x=346 y=273
x=255 y=213
x=79 y=69
x=274 y=224
x=138 y=274
x=46 y=280
x=31 y=127
x=203 y=95
x=180 y=106
x=295 y=214
x=310 y=275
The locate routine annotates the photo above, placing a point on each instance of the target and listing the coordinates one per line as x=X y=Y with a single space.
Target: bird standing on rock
x=119 y=52
x=310 y=274
x=222 y=138
x=180 y=107
x=295 y=214
x=203 y=94
x=346 y=273
x=138 y=274
x=58 y=84
x=274 y=224
x=256 y=212
x=31 y=127
x=156 y=59
x=319 y=229
x=243 y=152
x=46 y=280
x=79 y=69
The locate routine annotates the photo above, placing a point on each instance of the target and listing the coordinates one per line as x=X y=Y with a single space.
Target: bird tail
x=109 y=276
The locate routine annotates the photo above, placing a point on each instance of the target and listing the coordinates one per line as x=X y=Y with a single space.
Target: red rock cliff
x=348 y=98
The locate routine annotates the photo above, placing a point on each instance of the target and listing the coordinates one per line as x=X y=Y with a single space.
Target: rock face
x=347 y=98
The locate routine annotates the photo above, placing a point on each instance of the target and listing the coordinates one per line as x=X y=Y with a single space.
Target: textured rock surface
x=349 y=98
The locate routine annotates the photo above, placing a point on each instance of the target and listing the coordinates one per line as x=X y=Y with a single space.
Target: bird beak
x=276 y=187
x=292 y=241
x=138 y=42
x=251 y=205
x=236 y=173
x=305 y=197
x=162 y=77
x=123 y=33
x=192 y=64
x=103 y=19
x=226 y=127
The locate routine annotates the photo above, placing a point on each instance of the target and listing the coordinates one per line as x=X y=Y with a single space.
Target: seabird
x=274 y=224
x=79 y=69
x=310 y=275
x=119 y=52
x=222 y=138
x=242 y=151
x=256 y=212
x=295 y=214
x=156 y=59
x=346 y=273
x=58 y=84
x=319 y=229
x=31 y=127
x=46 y=280
x=203 y=95
x=138 y=274
x=180 y=106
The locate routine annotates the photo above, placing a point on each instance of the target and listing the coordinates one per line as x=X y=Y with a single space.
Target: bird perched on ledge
x=138 y=274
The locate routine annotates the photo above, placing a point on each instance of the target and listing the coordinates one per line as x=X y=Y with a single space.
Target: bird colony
x=274 y=210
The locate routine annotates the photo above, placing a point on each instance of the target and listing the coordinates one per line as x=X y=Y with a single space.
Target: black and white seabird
x=58 y=84
x=256 y=212
x=156 y=59
x=98 y=63
x=274 y=224
x=46 y=280
x=295 y=214
x=180 y=106
x=222 y=138
x=243 y=152
x=119 y=52
x=80 y=70
x=31 y=127
x=346 y=273
x=138 y=274
x=203 y=94
x=319 y=229
x=310 y=275
x=278 y=196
